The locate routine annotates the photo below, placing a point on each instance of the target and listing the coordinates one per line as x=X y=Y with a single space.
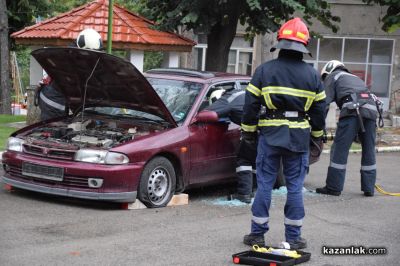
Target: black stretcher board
x=267 y=259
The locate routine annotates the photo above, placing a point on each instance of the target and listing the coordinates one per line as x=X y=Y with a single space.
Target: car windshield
x=177 y=95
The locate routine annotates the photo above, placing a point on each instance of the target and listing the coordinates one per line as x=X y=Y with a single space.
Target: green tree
x=22 y=13
x=391 y=20
x=5 y=106
x=219 y=19
x=19 y=14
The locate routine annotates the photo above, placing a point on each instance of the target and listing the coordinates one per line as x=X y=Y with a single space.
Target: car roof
x=193 y=75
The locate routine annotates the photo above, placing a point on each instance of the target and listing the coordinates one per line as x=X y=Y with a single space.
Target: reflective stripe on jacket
x=286 y=84
x=51 y=103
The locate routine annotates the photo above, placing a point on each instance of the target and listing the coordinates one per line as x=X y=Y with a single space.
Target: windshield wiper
x=157 y=121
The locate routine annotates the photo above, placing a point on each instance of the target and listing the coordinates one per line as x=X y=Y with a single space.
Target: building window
x=370 y=59
x=240 y=58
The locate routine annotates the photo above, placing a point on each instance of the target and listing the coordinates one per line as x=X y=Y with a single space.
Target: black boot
x=243 y=198
x=368 y=194
x=327 y=191
x=251 y=240
x=298 y=244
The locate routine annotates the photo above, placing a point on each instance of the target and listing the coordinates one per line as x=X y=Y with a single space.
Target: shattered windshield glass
x=177 y=95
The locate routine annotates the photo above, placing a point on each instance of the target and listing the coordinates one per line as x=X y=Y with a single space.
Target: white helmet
x=89 y=39
x=215 y=95
x=330 y=67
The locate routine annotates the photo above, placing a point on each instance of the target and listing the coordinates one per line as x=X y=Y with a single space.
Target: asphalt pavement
x=45 y=230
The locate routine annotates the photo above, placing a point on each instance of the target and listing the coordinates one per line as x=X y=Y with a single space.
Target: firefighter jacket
x=291 y=90
x=50 y=101
x=230 y=105
x=346 y=89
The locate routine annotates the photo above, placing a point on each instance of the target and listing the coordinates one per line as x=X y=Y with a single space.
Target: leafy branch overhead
x=391 y=20
x=260 y=16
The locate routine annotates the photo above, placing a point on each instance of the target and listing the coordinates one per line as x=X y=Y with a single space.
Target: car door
x=228 y=144
x=213 y=145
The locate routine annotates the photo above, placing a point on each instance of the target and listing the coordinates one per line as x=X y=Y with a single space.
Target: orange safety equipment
x=294 y=30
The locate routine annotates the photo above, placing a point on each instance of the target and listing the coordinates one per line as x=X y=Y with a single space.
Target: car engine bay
x=72 y=134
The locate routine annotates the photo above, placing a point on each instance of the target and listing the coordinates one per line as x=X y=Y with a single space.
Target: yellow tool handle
x=283 y=252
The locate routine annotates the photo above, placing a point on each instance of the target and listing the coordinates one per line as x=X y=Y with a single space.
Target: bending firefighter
x=358 y=114
x=50 y=101
x=229 y=104
x=292 y=93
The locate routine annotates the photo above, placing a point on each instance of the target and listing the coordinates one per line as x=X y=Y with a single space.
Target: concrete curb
x=377 y=149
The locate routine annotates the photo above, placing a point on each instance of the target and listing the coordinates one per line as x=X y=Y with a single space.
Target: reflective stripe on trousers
x=293 y=222
x=368 y=167
x=245 y=163
x=337 y=166
x=260 y=220
x=244 y=168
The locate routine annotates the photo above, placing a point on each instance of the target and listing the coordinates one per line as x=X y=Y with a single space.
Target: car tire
x=157 y=183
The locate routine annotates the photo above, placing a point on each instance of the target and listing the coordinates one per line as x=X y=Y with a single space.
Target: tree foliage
x=22 y=13
x=261 y=16
x=219 y=18
x=391 y=20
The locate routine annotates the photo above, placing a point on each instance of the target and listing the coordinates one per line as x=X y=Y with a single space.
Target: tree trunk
x=5 y=107
x=220 y=38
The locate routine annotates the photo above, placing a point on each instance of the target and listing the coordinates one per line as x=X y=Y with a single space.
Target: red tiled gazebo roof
x=130 y=31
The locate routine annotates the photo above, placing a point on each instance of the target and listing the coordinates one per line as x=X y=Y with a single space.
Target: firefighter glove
x=249 y=137
x=316 y=146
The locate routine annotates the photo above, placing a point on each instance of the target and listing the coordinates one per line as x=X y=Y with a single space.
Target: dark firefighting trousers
x=295 y=167
x=347 y=130
x=245 y=166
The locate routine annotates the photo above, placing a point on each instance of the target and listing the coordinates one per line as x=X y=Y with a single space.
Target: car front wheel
x=157 y=183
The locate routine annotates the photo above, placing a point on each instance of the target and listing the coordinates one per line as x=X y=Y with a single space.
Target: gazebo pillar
x=35 y=70
x=35 y=75
x=171 y=59
x=136 y=57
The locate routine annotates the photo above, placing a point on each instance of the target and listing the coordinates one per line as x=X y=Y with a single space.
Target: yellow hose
x=380 y=189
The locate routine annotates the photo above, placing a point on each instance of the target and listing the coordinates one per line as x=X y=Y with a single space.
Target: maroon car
x=128 y=135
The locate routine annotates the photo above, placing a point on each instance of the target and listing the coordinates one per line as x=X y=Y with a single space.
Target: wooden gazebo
x=131 y=32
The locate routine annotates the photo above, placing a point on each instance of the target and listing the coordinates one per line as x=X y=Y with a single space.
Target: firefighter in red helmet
x=293 y=96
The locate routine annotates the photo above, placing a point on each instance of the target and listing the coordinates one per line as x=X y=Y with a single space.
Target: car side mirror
x=205 y=117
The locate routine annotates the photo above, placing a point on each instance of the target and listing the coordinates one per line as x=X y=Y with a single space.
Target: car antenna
x=84 y=95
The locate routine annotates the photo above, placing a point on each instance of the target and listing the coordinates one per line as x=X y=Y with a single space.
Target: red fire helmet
x=294 y=30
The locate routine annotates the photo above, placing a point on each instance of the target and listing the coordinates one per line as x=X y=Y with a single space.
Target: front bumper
x=114 y=197
x=120 y=182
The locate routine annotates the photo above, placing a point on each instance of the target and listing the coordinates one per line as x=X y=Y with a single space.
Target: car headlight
x=116 y=158
x=101 y=157
x=15 y=144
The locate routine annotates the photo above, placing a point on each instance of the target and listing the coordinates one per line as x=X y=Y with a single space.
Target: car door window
x=243 y=84
x=227 y=86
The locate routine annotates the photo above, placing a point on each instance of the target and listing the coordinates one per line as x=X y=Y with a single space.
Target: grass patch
x=5 y=130
x=5 y=119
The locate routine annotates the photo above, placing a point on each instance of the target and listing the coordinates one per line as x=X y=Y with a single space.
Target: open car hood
x=109 y=80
